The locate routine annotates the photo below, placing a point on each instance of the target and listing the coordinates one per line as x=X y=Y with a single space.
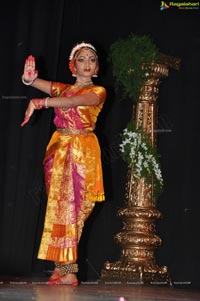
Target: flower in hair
x=71 y=67
x=79 y=46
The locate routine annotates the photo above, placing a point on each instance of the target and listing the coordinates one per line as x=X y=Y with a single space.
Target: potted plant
x=132 y=61
x=136 y=68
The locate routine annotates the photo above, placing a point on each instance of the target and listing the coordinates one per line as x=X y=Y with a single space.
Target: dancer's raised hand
x=30 y=73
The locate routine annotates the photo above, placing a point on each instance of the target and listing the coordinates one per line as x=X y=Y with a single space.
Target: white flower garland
x=141 y=155
x=79 y=46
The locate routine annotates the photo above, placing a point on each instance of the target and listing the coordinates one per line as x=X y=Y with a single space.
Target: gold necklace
x=83 y=85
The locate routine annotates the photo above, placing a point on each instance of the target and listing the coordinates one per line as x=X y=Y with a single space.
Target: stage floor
x=37 y=289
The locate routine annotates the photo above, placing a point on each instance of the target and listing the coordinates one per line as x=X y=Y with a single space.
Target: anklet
x=69 y=268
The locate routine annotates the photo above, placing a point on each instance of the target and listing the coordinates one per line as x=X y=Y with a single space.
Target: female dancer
x=72 y=163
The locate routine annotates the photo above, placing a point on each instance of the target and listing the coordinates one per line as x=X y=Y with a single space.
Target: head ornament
x=79 y=46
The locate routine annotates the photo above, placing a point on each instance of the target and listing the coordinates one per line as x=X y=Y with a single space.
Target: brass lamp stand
x=138 y=240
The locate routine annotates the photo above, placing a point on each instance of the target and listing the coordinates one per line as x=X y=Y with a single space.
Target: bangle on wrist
x=39 y=103
x=27 y=83
x=46 y=102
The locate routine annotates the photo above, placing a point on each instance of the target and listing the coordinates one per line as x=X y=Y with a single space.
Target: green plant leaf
x=128 y=57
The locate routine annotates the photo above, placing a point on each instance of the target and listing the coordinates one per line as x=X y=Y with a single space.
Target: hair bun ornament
x=79 y=46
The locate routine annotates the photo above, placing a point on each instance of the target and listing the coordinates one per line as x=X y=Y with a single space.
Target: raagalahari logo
x=179 y=5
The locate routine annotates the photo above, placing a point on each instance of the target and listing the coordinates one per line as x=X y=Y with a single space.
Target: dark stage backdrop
x=48 y=29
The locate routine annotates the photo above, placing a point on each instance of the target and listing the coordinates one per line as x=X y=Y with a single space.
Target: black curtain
x=48 y=30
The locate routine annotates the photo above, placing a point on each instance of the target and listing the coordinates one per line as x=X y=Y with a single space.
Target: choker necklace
x=86 y=84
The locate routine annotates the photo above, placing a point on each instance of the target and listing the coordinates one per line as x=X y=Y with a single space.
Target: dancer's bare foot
x=68 y=279
x=64 y=273
x=56 y=274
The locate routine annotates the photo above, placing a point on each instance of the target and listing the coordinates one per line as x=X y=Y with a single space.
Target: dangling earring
x=96 y=72
x=74 y=75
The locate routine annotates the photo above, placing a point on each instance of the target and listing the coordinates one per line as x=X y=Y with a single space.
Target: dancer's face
x=86 y=63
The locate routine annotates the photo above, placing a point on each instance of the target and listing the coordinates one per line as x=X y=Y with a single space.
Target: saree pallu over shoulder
x=58 y=88
x=73 y=174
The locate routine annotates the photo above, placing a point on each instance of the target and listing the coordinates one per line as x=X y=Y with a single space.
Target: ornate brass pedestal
x=138 y=240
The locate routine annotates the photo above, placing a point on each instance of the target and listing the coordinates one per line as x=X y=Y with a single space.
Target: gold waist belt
x=73 y=131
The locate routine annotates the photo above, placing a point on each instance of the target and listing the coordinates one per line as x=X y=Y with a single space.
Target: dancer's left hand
x=28 y=113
